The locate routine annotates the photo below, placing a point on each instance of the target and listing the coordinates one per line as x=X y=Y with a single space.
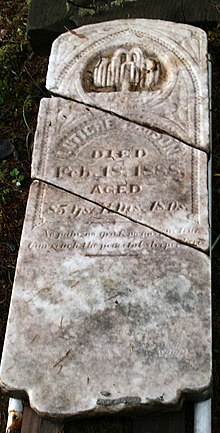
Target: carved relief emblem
x=127 y=70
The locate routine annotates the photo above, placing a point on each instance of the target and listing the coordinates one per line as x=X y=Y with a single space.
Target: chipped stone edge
x=125 y=405
x=150 y=405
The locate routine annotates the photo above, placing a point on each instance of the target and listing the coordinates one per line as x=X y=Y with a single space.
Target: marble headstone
x=149 y=71
x=150 y=177
x=111 y=305
x=111 y=315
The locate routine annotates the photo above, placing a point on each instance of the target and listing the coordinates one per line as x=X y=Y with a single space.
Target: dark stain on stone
x=115 y=401
x=187 y=308
x=105 y=393
x=173 y=297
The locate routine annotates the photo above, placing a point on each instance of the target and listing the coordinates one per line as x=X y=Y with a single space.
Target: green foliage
x=117 y=3
x=4 y=195
x=19 y=90
x=17 y=177
x=214 y=38
x=8 y=176
x=85 y=12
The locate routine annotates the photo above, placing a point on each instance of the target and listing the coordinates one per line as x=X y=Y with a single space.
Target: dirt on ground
x=22 y=85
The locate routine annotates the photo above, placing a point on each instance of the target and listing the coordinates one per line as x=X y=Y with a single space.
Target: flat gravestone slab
x=149 y=71
x=106 y=314
x=148 y=176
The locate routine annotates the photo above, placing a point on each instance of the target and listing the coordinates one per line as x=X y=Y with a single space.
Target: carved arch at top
x=143 y=76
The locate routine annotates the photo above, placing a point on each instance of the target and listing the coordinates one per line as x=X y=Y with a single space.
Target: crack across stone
x=151 y=128
x=119 y=116
x=160 y=232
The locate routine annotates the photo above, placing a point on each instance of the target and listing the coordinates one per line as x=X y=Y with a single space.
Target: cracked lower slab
x=106 y=315
x=147 y=176
x=149 y=71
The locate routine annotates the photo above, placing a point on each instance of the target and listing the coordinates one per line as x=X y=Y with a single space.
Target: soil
x=22 y=85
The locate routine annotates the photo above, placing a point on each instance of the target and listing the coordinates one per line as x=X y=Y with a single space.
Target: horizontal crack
x=179 y=241
x=145 y=124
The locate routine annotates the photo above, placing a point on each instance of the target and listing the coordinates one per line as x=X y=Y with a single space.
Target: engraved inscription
x=119 y=154
x=71 y=140
x=128 y=171
x=75 y=211
x=105 y=265
x=123 y=167
x=173 y=205
x=117 y=170
x=86 y=210
x=115 y=240
x=127 y=70
x=116 y=189
x=124 y=208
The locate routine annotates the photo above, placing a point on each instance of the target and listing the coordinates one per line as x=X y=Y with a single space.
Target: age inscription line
x=167 y=236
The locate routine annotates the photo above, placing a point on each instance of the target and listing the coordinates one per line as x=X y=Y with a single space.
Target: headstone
x=154 y=74
x=145 y=175
x=49 y=18
x=106 y=313
x=111 y=304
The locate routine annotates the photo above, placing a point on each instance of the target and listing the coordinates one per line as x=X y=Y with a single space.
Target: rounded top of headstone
x=152 y=72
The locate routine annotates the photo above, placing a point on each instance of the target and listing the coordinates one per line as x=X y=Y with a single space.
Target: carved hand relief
x=126 y=70
x=104 y=300
x=151 y=72
x=134 y=171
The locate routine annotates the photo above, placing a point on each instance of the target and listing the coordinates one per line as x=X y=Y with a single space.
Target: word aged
x=116 y=189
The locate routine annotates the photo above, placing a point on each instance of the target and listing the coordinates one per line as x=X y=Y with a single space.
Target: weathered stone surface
x=110 y=310
x=49 y=18
x=106 y=314
x=151 y=72
x=147 y=176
